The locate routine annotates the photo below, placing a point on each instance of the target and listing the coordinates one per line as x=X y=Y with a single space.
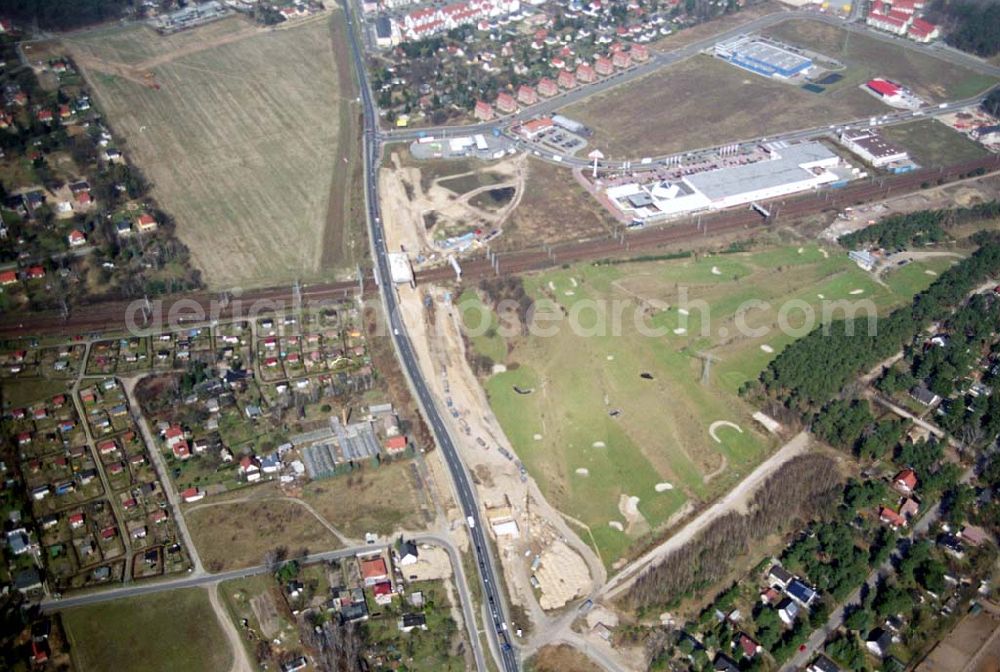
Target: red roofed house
x=76 y=520
x=146 y=223
x=8 y=278
x=173 y=435
x=83 y=197
x=749 y=646
x=158 y=516
x=770 y=596
x=249 y=468
x=621 y=59
x=373 y=570
x=36 y=273
x=506 y=103
x=192 y=495
x=44 y=116
x=974 y=534
x=890 y=517
x=639 y=53
x=603 y=66
x=585 y=73
x=107 y=447
x=905 y=481
x=887 y=23
x=923 y=31
x=109 y=533
x=566 y=79
x=884 y=88
x=383 y=592
x=394 y=445
x=483 y=111
x=76 y=238
x=527 y=95
x=181 y=450
x=65 y=112
x=530 y=129
x=547 y=87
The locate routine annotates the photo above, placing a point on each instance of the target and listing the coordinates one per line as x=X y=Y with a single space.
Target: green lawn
x=169 y=631
x=727 y=306
x=916 y=276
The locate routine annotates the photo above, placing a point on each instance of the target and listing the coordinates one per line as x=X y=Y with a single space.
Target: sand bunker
x=826 y=255
x=663 y=487
x=680 y=330
x=930 y=272
x=718 y=424
x=615 y=524
x=716 y=271
x=801 y=250
x=573 y=281
x=537 y=437
x=583 y=471
x=569 y=292
x=552 y=286
x=610 y=357
x=683 y=311
x=855 y=292
x=821 y=296
x=766 y=348
x=598 y=444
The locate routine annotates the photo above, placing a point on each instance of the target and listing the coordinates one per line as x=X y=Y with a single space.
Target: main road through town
x=497 y=633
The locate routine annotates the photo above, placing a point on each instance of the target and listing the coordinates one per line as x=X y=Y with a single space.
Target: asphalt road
x=497 y=633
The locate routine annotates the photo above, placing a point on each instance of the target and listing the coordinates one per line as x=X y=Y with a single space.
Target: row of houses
x=585 y=73
x=428 y=21
x=899 y=17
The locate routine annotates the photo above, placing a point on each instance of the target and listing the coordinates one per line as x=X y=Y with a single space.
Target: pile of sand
x=562 y=576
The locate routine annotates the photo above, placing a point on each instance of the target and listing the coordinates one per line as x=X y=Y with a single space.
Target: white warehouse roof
x=790 y=167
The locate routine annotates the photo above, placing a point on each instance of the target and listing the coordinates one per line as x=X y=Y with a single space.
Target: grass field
x=931 y=143
x=173 y=630
x=661 y=434
x=244 y=141
x=238 y=534
x=373 y=500
x=704 y=101
x=866 y=57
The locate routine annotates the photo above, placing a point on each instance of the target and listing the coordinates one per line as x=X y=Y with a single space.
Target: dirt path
x=735 y=500
x=345 y=540
x=241 y=663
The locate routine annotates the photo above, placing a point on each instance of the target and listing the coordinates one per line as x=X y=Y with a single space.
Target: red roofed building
x=527 y=95
x=36 y=273
x=923 y=31
x=107 y=447
x=76 y=238
x=566 y=79
x=899 y=16
x=373 y=570
x=621 y=59
x=8 y=278
x=603 y=66
x=890 y=517
x=394 y=445
x=76 y=520
x=173 y=435
x=639 y=53
x=883 y=87
x=146 y=223
x=749 y=646
x=585 y=73
x=250 y=468
x=109 y=533
x=909 y=508
x=530 y=129
x=484 y=111
x=547 y=87
x=181 y=450
x=886 y=23
x=44 y=116
x=905 y=481
x=382 y=592
x=506 y=103
x=192 y=495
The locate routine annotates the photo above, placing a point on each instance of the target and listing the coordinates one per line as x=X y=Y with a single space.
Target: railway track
x=113 y=315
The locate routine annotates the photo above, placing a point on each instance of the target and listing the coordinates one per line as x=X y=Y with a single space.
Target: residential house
x=974 y=534
x=192 y=495
x=395 y=445
x=621 y=59
x=924 y=396
x=76 y=238
x=484 y=111
x=566 y=79
x=27 y=580
x=778 y=577
x=250 y=468
x=382 y=591
x=547 y=87
x=640 y=53
x=724 y=663
x=373 y=570
x=890 y=517
x=585 y=73
x=603 y=66
x=749 y=646
x=878 y=642
x=506 y=103
x=410 y=621
x=527 y=95
x=822 y=664
x=909 y=508
x=905 y=481
x=145 y=223
x=788 y=611
x=801 y=592
x=407 y=553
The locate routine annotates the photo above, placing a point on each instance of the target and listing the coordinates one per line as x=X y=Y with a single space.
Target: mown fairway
x=660 y=433
x=244 y=140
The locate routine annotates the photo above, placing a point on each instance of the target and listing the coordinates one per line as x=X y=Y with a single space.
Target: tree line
x=66 y=14
x=970 y=25
x=918 y=228
x=843 y=349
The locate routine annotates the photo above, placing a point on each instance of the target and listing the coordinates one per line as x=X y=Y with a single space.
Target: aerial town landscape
x=500 y=335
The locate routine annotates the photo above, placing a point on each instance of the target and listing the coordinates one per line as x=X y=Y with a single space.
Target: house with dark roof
x=410 y=621
x=801 y=592
x=822 y=664
x=878 y=642
x=778 y=576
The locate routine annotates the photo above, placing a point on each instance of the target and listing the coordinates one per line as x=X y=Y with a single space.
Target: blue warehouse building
x=763 y=58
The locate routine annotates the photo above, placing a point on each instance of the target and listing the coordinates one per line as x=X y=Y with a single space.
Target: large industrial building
x=789 y=170
x=763 y=58
x=873 y=148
